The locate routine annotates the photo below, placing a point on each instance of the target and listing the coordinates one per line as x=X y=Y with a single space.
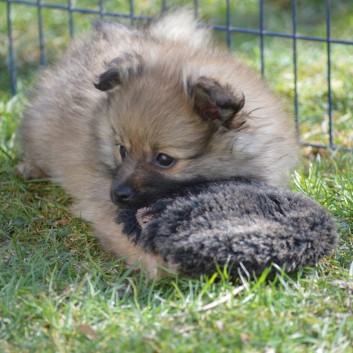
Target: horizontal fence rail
x=69 y=7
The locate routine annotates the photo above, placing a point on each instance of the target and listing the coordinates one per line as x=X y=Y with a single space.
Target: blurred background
x=304 y=49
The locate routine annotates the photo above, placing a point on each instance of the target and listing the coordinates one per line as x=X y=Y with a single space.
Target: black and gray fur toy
x=237 y=223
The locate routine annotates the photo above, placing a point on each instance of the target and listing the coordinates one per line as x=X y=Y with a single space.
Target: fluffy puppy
x=130 y=115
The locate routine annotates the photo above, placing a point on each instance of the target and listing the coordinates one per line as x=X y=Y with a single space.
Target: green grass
x=59 y=292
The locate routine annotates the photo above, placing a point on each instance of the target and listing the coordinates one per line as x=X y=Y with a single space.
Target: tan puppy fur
x=129 y=115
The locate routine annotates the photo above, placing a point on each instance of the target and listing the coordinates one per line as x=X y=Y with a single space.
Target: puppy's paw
x=29 y=170
x=155 y=267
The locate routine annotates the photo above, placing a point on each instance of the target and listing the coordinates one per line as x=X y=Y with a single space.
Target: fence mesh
x=37 y=29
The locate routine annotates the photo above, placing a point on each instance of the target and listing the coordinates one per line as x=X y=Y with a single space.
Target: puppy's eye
x=164 y=161
x=123 y=152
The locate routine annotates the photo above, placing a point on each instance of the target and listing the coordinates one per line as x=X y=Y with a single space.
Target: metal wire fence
x=127 y=12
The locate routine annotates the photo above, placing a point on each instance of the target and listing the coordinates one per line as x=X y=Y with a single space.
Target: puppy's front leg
x=112 y=237
x=114 y=240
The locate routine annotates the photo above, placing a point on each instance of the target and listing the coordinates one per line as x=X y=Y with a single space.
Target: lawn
x=60 y=292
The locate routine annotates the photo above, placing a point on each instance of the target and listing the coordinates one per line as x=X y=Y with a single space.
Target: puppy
x=130 y=115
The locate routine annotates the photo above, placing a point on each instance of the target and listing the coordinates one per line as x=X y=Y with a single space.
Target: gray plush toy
x=238 y=223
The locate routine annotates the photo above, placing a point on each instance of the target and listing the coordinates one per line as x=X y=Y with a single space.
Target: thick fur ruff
x=244 y=225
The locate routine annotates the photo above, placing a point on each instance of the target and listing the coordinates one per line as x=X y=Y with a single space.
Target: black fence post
x=11 y=56
x=329 y=93
x=295 y=67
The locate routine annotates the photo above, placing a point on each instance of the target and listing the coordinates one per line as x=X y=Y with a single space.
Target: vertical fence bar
x=101 y=9
x=71 y=19
x=164 y=5
x=228 y=24
x=262 y=44
x=11 y=50
x=41 y=33
x=132 y=11
x=329 y=91
x=196 y=8
x=295 y=65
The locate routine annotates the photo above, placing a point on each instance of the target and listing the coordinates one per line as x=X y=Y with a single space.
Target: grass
x=59 y=292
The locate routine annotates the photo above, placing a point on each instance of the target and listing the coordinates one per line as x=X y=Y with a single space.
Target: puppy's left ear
x=119 y=71
x=212 y=101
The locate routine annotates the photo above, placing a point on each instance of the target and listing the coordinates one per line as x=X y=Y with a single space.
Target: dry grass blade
x=211 y=305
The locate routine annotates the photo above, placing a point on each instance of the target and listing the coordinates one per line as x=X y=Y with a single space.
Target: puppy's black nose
x=122 y=193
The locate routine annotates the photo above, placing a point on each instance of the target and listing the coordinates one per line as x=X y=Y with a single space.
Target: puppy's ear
x=119 y=71
x=211 y=101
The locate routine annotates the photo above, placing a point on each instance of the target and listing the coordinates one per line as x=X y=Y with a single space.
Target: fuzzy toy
x=242 y=224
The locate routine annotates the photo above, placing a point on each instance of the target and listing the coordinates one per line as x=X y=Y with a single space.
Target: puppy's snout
x=122 y=193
